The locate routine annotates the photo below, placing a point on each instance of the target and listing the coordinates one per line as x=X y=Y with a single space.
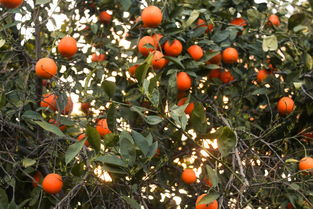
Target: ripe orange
x=212 y=205
x=102 y=127
x=101 y=57
x=217 y=59
x=274 y=20
x=156 y=38
x=85 y=107
x=195 y=52
x=69 y=107
x=37 y=178
x=262 y=75
x=11 y=4
x=183 y=81
x=207 y=181
x=174 y=48
x=239 y=22
x=189 y=176
x=158 y=60
x=189 y=107
x=230 y=55
x=181 y=94
x=57 y=124
x=52 y=183
x=46 y=68
x=151 y=16
x=67 y=47
x=306 y=163
x=105 y=17
x=49 y=100
x=215 y=73
x=132 y=69
x=82 y=136
x=44 y=83
x=285 y=105
x=289 y=206
x=98 y=58
x=201 y=23
x=141 y=45
x=226 y=77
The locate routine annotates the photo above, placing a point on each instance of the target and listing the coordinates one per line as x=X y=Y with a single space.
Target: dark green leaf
x=49 y=127
x=93 y=138
x=209 y=198
x=39 y=2
x=111 y=160
x=73 y=150
x=31 y=115
x=226 y=141
x=176 y=60
x=131 y=202
x=109 y=88
x=211 y=175
x=141 y=142
x=3 y=199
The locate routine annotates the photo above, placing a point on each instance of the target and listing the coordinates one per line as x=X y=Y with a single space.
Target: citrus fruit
x=158 y=60
x=52 y=183
x=190 y=106
x=262 y=75
x=306 y=163
x=183 y=81
x=68 y=107
x=274 y=20
x=156 y=38
x=201 y=23
x=102 y=127
x=226 y=77
x=215 y=73
x=212 y=205
x=67 y=47
x=37 y=178
x=151 y=16
x=82 y=136
x=239 y=22
x=143 y=47
x=132 y=69
x=46 y=68
x=173 y=48
x=57 y=124
x=85 y=107
x=195 y=52
x=105 y=17
x=189 y=176
x=11 y=4
x=285 y=105
x=230 y=55
x=49 y=100
x=207 y=181
x=217 y=59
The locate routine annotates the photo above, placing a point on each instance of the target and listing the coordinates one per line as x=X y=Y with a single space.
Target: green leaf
x=109 y=88
x=211 y=175
x=4 y=201
x=141 y=142
x=295 y=19
x=192 y=18
x=109 y=138
x=94 y=28
x=66 y=121
x=2 y=42
x=34 y=195
x=111 y=160
x=32 y=115
x=49 y=127
x=270 y=43
x=127 y=148
x=39 y=2
x=176 y=60
x=111 y=117
x=27 y=162
x=209 y=198
x=73 y=150
x=142 y=70
x=259 y=91
x=93 y=138
x=153 y=149
x=153 y=119
x=131 y=202
x=112 y=169
x=308 y=61
x=198 y=119
x=226 y=141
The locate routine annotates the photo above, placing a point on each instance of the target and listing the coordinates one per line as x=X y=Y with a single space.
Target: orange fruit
x=44 y=83
x=306 y=163
x=85 y=107
x=156 y=38
x=289 y=206
x=189 y=107
x=217 y=59
x=54 y=122
x=274 y=20
x=212 y=205
x=195 y=52
x=67 y=47
x=97 y=58
x=102 y=127
x=262 y=75
x=37 y=178
x=68 y=107
x=141 y=45
x=151 y=16
x=46 y=68
x=239 y=22
x=11 y=4
x=173 y=48
x=215 y=73
x=101 y=57
x=49 y=100
x=52 y=183
x=82 y=136
x=189 y=176
x=226 y=77
x=158 y=60
x=285 y=105
x=201 y=23
x=105 y=17
x=230 y=55
x=207 y=181
x=181 y=94
x=132 y=69
x=183 y=81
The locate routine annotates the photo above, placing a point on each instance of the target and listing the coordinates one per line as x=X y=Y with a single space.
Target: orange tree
x=197 y=75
